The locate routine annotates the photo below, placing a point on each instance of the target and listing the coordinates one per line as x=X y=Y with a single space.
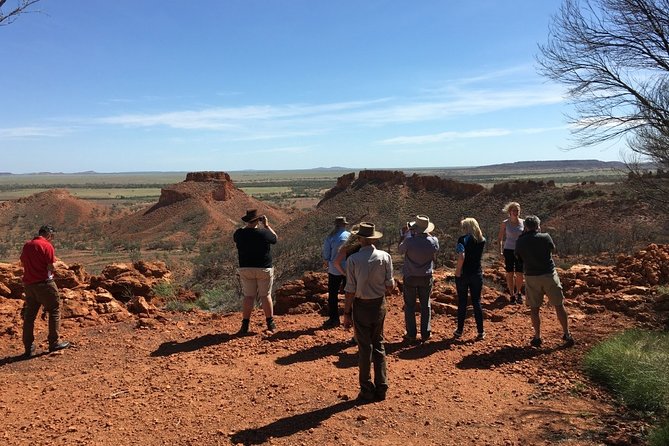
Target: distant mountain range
x=518 y=165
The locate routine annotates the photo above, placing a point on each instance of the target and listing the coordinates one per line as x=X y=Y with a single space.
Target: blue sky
x=230 y=85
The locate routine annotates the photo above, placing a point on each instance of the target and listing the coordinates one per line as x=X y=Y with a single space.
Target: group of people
x=364 y=274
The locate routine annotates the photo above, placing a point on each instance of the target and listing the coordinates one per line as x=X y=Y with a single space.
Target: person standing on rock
x=37 y=258
x=509 y=231
x=420 y=249
x=469 y=275
x=369 y=277
x=535 y=249
x=256 y=273
x=336 y=279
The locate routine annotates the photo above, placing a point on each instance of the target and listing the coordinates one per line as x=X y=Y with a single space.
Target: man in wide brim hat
x=368 y=231
x=422 y=225
x=251 y=215
x=369 y=277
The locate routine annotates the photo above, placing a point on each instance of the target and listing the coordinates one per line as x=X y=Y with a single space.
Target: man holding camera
x=256 y=273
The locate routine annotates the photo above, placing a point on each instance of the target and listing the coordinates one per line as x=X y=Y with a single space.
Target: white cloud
x=34 y=132
x=452 y=135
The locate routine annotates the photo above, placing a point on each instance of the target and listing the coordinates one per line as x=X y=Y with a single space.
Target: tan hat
x=367 y=230
x=422 y=224
x=341 y=221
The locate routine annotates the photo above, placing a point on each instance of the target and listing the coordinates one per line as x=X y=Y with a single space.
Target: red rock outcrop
x=415 y=182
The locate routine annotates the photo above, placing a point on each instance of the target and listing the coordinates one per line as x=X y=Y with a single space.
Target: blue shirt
x=473 y=252
x=331 y=247
x=419 y=252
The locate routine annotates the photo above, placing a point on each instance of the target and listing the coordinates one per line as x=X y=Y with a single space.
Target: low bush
x=633 y=365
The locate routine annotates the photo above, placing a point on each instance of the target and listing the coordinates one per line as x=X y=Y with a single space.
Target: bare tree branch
x=19 y=7
x=613 y=57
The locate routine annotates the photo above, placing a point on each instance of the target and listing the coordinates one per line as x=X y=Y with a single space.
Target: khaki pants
x=37 y=295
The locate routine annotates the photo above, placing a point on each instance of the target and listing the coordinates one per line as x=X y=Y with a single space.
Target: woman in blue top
x=469 y=274
x=509 y=231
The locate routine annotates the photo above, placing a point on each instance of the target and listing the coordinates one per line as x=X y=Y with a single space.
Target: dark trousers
x=473 y=284
x=38 y=294
x=335 y=282
x=368 y=318
x=421 y=288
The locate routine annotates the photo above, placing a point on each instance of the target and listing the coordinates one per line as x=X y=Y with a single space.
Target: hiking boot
x=457 y=334
x=379 y=395
x=244 y=328
x=58 y=346
x=480 y=336
x=365 y=398
x=568 y=340
x=331 y=323
x=29 y=351
x=271 y=326
x=535 y=342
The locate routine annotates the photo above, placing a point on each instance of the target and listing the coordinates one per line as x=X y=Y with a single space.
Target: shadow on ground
x=172 y=347
x=504 y=355
x=288 y=426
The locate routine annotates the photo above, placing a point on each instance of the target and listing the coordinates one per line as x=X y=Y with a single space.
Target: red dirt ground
x=186 y=379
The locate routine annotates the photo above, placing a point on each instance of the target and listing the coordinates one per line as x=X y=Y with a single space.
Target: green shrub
x=633 y=364
x=660 y=435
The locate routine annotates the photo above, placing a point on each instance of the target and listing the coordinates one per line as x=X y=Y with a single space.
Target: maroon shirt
x=37 y=254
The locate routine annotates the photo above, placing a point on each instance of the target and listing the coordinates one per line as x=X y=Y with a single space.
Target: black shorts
x=511 y=262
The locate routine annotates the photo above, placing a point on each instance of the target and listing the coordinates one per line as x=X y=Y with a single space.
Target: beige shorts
x=256 y=282
x=538 y=286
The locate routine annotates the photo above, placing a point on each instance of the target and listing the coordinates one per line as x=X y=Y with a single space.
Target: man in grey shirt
x=535 y=250
x=369 y=276
x=420 y=249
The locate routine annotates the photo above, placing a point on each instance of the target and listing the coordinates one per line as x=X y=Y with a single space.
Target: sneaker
x=568 y=340
x=58 y=346
x=519 y=299
x=244 y=328
x=457 y=334
x=480 y=336
x=513 y=298
x=535 y=342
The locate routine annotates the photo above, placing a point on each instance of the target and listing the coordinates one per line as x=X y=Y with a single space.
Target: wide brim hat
x=367 y=230
x=341 y=221
x=422 y=224
x=251 y=215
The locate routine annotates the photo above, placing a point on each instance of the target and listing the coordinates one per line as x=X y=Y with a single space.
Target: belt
x=370 y=301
